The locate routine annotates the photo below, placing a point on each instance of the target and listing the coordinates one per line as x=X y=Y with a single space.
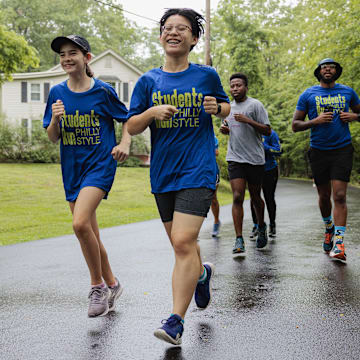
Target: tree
x=40 y=21
x=15 y=54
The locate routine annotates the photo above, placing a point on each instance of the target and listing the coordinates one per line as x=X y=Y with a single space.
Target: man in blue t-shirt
x=331 y=152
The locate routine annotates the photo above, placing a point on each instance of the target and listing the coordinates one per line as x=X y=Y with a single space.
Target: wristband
x=358 y=115
x=219 y=110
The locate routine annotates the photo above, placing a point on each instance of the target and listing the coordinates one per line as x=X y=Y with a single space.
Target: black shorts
x=188 y=201
x=253 y=174
x=329 y=165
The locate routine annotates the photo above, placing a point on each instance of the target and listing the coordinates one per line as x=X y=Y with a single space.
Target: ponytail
x=88 y=71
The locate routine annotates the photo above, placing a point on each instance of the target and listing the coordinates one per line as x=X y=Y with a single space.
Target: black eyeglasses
x=181 y=29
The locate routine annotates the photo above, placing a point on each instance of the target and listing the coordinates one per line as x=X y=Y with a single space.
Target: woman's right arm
x=138 y=123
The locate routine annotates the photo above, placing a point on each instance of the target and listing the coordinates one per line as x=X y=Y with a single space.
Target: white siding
x=11 y=105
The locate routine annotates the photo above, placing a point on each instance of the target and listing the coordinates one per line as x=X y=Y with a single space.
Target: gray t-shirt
x=245 y=143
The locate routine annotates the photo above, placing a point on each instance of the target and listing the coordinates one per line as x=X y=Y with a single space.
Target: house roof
x=58 y=71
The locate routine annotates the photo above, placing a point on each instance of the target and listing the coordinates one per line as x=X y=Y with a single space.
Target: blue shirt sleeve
x=115 y=108
x=48 y=110
x=272 y=144
x=354 y=99
x=219 y=92
x=139 y=98
x=302 y=103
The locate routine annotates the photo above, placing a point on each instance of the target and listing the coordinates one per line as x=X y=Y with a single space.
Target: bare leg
x=238 y=188
x=215 y=208
x=107 y=274
x=324 y=191
x=340 y=207
x=83 y=221
x=184 y=232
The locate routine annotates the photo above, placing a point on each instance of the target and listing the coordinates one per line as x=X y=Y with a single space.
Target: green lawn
x=33 y=203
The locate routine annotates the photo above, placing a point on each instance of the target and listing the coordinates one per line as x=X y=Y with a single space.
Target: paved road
x=287 y=301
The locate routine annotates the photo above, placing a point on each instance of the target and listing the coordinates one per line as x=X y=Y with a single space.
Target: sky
x=154 y=9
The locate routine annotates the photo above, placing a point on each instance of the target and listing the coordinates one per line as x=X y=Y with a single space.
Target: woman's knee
x=183 y=245
x=81 y=227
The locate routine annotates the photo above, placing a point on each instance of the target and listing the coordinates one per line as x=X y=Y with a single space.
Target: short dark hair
x=196 y=20
x=240 y=76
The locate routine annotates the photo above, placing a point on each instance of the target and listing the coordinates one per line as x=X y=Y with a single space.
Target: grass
x=33 y=202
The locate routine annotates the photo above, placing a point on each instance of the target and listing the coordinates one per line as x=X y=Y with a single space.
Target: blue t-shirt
x=87 y=135
x=183 y=148
x=216 y=142
x=272 y=150
x=314 y=100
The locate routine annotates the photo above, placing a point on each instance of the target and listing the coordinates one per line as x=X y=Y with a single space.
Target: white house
x=23 y=100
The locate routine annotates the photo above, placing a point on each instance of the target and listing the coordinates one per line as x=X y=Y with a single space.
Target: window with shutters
x=35 y=92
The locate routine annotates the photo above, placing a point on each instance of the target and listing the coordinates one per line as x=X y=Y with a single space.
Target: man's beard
x=328 y=80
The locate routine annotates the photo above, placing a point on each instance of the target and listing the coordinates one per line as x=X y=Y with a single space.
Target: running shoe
x=115 y=293
x=171 y=331
x=272 y=232
x=338 y=251
x=239 y=246
x=99 y=301
x=254 y=232
x=262 y=239
x=216 y=229
x=203 y=288
x=328 y=242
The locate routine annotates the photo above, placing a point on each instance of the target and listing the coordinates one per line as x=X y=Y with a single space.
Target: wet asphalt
x=286 y=301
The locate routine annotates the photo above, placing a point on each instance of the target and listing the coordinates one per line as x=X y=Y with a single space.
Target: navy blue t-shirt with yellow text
x=87 y=135
x=314 y=101
x=183 y=148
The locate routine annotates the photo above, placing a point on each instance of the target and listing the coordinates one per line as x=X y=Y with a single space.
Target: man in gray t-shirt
x=246 y=123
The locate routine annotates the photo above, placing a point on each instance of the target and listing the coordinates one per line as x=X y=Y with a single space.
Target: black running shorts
x=188 y=201
x=329 y=165
x=253 y=174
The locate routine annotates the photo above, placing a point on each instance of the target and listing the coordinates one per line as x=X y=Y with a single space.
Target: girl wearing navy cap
x=80 y=112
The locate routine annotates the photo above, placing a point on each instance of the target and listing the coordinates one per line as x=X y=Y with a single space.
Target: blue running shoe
x=216 y=229
x=239 y=246
x=262 y=238
x=203 y=289
x=171 y=331
x=328 y=242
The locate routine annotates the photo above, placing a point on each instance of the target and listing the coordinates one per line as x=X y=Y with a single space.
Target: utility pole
x=208 y=60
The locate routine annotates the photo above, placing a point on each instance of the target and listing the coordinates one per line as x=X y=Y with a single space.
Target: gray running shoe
x=239 y=246
x=99 y=298
x=254 y=232
x=115 y=293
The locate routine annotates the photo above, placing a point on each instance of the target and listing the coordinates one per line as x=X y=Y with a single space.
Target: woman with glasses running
x=176 y=101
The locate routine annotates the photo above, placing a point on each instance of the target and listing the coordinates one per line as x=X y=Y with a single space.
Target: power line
x=129 y=12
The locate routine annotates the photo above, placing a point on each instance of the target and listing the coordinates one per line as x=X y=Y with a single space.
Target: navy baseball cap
x=79 y=41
